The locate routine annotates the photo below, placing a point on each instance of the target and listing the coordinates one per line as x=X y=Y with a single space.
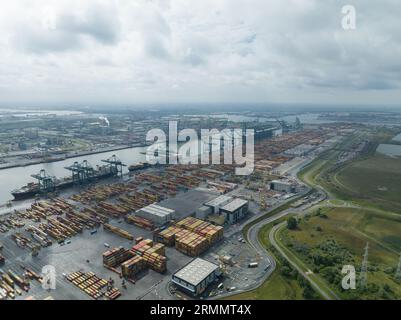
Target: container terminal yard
x=160 y=232
x=191 y=158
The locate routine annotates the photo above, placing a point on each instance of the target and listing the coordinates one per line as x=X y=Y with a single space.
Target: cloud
x=229 y=50
x=60 y=29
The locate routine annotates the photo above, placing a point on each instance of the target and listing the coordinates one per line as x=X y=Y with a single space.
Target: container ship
x=32 y=188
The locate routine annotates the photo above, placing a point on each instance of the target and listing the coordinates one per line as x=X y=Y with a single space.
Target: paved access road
x=273 y=241
x=253 y=241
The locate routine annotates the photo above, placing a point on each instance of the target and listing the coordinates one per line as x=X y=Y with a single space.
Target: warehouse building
x=301 y=150
x=218 y=202
x=157 y=214
x=282 y=186
x=196 y=276
x=235 y=210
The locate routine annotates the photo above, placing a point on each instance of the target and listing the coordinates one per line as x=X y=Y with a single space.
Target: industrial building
x=196 y=276
x=217 y=203
x=232 y=209
x=282 y=186
x=301 y=150
x=157 y=214
x=235 y=210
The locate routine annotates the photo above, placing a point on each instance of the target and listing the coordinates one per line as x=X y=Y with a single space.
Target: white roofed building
x=196 y=276
x=235 y=210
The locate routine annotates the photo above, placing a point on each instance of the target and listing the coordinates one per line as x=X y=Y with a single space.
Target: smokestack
x=105 y=120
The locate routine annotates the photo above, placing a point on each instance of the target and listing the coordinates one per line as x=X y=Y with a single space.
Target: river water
x=397 y=138
x=15 y=178
x=306 y=118
x=391 y=150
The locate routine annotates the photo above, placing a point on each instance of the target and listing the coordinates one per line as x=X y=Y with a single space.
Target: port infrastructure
x=46 y=182
x=116 y=165
x=81 y=172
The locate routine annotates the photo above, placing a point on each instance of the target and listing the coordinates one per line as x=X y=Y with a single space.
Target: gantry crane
x=81 y=172
x=46 y=182
x=116 y=165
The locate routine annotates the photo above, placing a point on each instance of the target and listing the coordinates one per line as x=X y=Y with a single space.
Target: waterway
x=31 y=113
x=391 y=150
x=306 y=118
x=15 y=178
x=397 y=138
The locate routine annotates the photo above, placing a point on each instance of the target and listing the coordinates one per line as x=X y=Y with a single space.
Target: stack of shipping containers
x=115 y=257
x=133 y=266
x=152 y=255
x=155 y=213
x=191 y=236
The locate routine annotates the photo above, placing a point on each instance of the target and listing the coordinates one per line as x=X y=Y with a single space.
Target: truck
x=253 y=265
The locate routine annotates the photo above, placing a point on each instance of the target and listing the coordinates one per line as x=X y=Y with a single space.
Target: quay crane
x=45 y=181
x=81 y=172
x=116 y=165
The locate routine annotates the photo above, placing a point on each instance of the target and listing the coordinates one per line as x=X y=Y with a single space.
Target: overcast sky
x=132 y=51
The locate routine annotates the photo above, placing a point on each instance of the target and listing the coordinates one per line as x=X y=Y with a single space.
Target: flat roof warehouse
x=234 y=205
x=218 y=201
x=196 y=271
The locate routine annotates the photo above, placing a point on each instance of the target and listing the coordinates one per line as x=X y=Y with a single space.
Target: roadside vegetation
x=330 y=238
x=285 y=283
x=364 y=206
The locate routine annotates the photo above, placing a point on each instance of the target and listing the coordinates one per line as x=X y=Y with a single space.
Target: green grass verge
x=271 y=213
x=277 y=286
x=351 y=229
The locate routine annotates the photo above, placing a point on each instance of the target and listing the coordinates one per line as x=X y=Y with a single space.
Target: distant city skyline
x=91 y=53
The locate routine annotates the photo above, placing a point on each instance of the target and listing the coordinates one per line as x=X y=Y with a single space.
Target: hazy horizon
x=210 y=107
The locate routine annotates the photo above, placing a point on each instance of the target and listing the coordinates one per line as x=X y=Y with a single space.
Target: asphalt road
x=253 y=239
x=272 y=238
x=255 y=244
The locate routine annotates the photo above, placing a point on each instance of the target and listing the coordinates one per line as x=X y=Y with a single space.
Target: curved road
x=254 y=242
x=253 y=232
x=267 y=260
x=272 y=238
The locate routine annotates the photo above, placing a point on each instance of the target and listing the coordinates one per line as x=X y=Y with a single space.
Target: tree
x=292 y=223
x=308 y=293
x=286 y=271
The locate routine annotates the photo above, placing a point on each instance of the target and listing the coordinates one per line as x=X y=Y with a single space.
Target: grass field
x=337 y=237
x=275 y=288
x=365 y=206
x=372 y=182
x=376 y=180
